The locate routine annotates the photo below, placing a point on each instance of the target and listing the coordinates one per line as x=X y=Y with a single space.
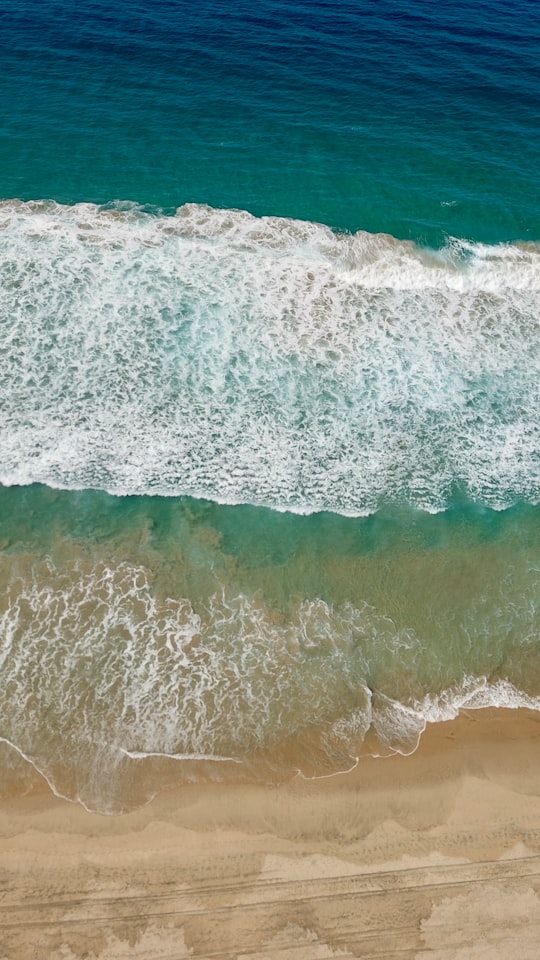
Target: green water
x=176 y=627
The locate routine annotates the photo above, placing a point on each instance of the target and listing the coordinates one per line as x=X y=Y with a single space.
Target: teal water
x=414 y=118
x=269 y=384
x=148 y=641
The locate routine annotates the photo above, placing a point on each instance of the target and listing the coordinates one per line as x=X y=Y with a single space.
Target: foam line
x=146 y=754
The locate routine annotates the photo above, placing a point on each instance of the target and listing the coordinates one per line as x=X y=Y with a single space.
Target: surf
x=150 y=641
x=268 y=361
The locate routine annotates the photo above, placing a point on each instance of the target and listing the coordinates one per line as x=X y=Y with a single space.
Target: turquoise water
x=269 y=384
x=414 y=118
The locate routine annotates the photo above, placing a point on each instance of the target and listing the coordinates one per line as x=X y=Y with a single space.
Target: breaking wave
x=110 y=692
x=264 y=360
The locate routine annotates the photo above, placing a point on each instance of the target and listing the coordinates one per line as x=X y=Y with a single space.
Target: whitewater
x=264 y=360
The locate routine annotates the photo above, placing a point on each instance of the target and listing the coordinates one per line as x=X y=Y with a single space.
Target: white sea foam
x=146 y=754
x=99 y=675
x=264 y=360
x=397 y=725
x=475 y=693
x=96 y=673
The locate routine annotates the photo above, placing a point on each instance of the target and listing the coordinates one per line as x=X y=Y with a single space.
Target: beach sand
x=434 y=855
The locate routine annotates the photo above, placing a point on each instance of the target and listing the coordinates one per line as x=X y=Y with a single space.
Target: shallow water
x=140 y=629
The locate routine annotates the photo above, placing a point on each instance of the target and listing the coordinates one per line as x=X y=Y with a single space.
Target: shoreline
x=436 y=853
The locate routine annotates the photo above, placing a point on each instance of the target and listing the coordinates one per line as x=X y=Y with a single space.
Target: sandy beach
x=435 y=855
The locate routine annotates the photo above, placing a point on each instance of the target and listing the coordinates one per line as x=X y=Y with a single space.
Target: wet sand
x=434 y=855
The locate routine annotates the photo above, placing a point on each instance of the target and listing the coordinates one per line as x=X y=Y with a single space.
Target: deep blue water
x=413 y=117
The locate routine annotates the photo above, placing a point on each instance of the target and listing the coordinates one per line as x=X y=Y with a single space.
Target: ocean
x=269 y=384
